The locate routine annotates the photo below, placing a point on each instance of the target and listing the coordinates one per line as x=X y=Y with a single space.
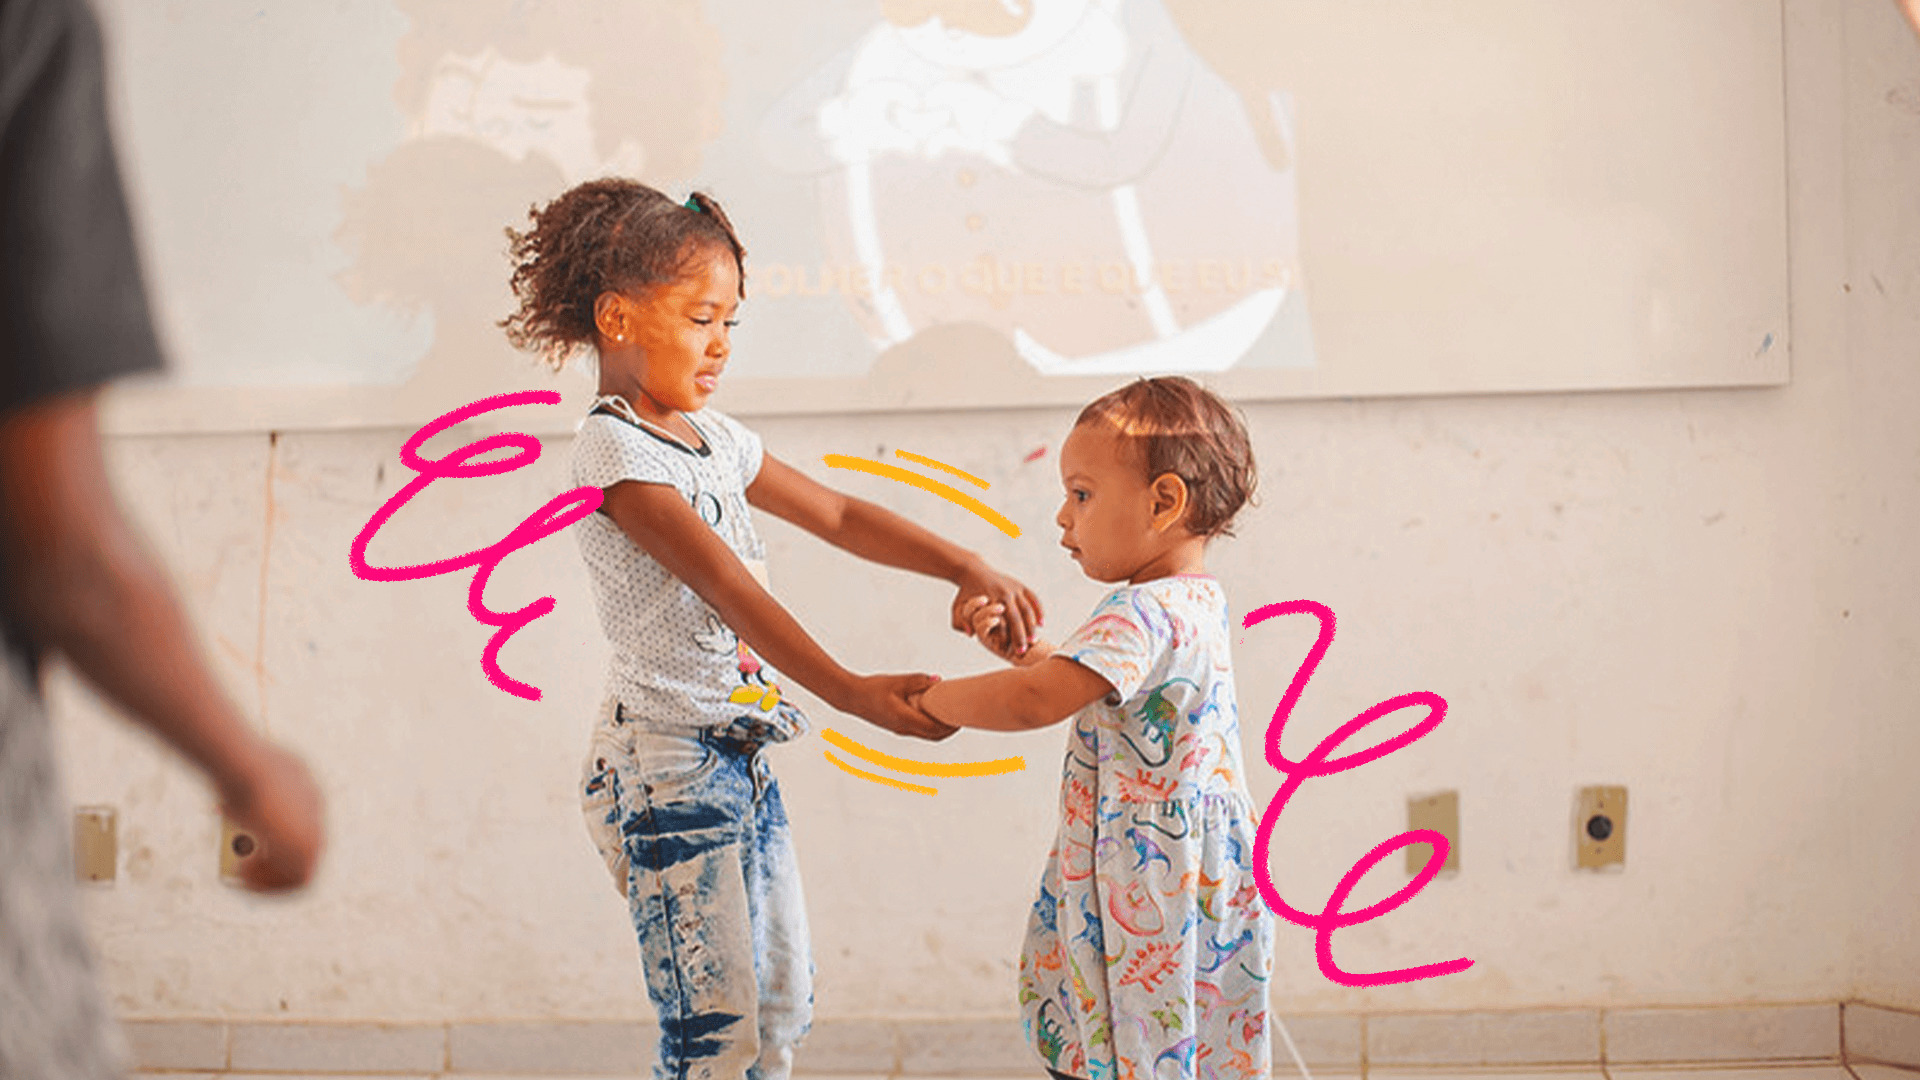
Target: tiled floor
x=1744 y=1042
x=1725 y=1073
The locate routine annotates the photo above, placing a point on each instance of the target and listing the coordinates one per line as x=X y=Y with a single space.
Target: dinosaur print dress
x=1149 y=949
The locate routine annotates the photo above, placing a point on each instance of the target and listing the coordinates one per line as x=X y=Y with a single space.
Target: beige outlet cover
x=1607 y=802
x=96 y=844
x=1441 y=813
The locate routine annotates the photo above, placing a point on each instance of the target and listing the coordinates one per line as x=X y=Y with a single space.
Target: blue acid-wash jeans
x=691 y=825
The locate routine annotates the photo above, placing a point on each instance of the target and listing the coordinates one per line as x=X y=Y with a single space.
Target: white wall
x=1882 y=494
x=1707 y=596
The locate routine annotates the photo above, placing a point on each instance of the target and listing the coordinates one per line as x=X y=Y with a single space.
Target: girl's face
x=673 y=339
x=1118 y=525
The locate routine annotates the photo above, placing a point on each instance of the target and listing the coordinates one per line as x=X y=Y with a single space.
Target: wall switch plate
x=1441 y=813
x=1600 y=828
x=96 y=843
x=235 y=845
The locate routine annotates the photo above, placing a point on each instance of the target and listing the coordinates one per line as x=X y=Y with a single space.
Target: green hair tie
x=693 y=205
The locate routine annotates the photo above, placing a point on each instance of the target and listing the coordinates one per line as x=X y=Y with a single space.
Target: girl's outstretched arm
x=658 y=519
x=879 y=535
x=1018 y=699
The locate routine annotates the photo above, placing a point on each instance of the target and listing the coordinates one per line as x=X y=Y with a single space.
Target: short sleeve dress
x=1149 y=949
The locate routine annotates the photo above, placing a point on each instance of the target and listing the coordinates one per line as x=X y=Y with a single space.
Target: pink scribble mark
x=542 y=523
x=1035 y=454
x=1317 y=764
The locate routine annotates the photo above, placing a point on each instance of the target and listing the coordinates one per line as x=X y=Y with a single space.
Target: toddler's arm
x=1018 y=699
x=879 y=535
x=658 y=519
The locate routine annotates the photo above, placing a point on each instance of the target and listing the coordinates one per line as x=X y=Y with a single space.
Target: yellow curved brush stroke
x=951 y=494
x=923 y=768
x=878 y=779
x=943 y=467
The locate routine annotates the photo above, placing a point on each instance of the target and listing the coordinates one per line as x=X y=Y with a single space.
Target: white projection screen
x=966 y=203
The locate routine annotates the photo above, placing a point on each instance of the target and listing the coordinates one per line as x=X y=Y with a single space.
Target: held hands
x=1020 y=612
x=988 y=621
x=893 y=702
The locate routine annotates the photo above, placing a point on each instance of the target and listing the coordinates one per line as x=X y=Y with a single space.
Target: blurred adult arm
x=81 y=582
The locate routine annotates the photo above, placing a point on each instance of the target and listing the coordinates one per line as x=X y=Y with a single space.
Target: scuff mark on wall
x=232 y=651
x=266 y=561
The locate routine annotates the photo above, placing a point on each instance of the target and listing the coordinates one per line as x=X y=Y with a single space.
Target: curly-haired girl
x=679 y=797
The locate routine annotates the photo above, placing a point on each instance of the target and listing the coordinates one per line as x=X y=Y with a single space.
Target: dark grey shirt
x=73 y=314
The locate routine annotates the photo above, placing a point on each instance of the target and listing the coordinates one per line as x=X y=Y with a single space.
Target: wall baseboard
x=1880 y=1035
x=1349 y=1045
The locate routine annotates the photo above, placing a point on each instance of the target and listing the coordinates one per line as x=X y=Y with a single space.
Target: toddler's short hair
x=1178 y=426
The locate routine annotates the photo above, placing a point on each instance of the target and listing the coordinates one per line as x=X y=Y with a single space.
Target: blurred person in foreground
x=74 y=577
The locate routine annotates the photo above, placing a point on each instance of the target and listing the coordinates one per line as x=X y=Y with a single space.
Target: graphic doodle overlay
x=951 y=494
x=924 y=768
x=910 y=766
x=988 y=513
x=559 y=512
x=863 y=774
x=1317 y=763
x=943 y=467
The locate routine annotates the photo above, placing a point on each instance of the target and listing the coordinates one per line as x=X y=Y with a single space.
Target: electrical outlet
x=96 y=843
x=1441 y=813
x=235 y=844
x=1600 y=828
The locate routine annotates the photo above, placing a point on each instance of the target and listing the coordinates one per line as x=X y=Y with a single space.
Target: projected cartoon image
x=1068 y=172
x=504 y=104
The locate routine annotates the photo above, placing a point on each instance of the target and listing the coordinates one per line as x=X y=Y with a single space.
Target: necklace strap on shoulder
x=624 y=409
x=617 y=405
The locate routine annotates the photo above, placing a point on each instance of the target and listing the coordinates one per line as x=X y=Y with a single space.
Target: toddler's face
x=1106 y=519
x=682 y=337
